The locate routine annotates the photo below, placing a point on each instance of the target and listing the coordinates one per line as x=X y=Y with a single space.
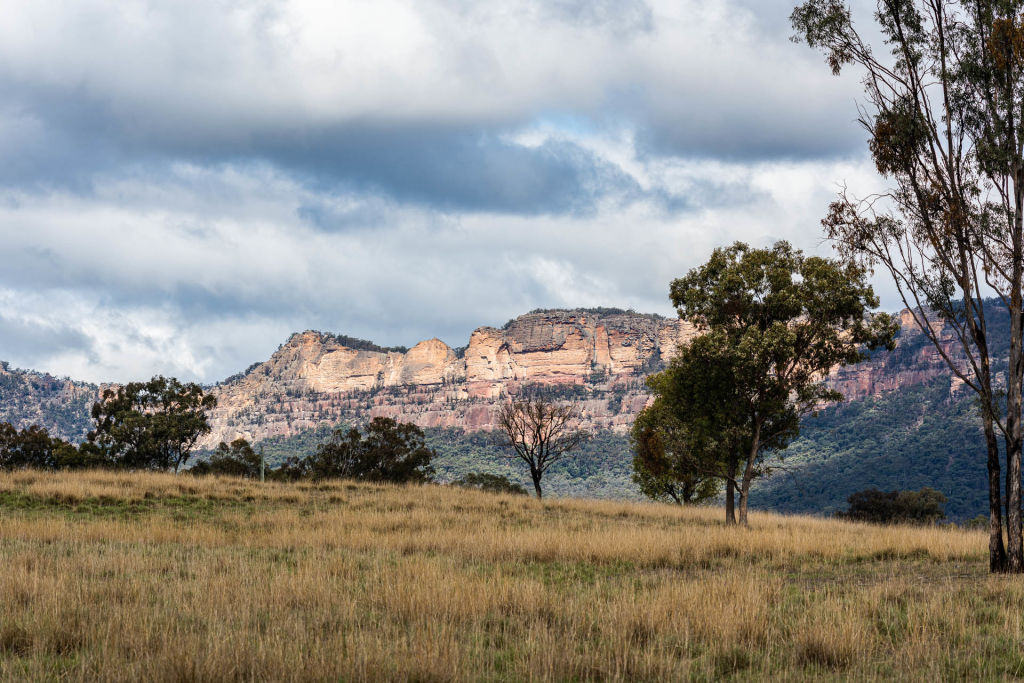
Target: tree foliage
x=388 y=451
x=237 y=459
x=31 y=447
x=664 y=461
x=151 y=425
x=774 y=322
x=895 y=507
x=34 y=448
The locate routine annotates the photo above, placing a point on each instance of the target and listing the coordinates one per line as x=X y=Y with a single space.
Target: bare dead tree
x=540 y=433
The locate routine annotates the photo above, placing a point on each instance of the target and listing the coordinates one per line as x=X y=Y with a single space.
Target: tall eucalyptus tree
x=944 y=112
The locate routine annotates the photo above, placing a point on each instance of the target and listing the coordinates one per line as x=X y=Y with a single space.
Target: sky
x=184 y=184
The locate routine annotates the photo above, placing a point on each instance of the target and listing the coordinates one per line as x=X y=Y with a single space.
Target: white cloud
x=168 y=277
x=187 y=183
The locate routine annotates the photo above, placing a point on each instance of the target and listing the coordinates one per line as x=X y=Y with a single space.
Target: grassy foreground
x=157 y=577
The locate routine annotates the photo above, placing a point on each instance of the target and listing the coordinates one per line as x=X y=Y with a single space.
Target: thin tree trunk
x=1015 y=540
x=997 y=561
x=536 y=483
x=996 y=549
x=748 y=472
x=730 y=493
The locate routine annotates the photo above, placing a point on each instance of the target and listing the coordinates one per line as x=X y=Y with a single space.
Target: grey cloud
x=61 y=135
x=32 y=343
x=472 y=168
x=755 y=136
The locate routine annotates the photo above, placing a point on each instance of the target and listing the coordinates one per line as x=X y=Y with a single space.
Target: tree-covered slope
x=914 y=437
x=918 y=436
x=59 y=404
x=600 y=469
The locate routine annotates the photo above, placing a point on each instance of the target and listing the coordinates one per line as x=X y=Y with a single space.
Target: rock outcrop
x=59 y=404
x=599 y=360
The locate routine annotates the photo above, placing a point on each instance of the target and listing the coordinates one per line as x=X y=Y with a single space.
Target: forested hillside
x=907 y=439
x=59 y=404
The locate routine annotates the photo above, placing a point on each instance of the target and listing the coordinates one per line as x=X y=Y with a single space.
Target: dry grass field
x=156 y=577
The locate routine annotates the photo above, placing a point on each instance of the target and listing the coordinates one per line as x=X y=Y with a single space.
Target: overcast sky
x=184 y=184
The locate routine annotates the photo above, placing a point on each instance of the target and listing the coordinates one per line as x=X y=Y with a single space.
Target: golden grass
x=112 y=576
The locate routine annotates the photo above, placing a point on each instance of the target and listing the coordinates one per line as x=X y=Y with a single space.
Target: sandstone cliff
x=599 y=359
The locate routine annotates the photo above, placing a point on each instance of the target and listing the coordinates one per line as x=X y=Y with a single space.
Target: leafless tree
x=540 y=433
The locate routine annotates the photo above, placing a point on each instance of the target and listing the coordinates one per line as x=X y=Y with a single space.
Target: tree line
x=156 y=425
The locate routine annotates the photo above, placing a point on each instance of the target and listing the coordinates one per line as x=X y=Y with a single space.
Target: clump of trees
x=33 y=447
x=151 y=425
x=141 y=425
x=896 y=507
x=237 y=459
x=385 y=451
x=539 y=432
x=773 y=323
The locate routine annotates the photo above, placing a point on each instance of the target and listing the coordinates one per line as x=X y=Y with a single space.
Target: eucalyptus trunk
x=748 y=472
x=996 y=550
x=1014 y=389
x=730 y=492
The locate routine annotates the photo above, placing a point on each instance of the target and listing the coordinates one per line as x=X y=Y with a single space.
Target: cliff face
x=598 y=360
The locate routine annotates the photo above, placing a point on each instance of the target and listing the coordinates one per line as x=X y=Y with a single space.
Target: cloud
x=412 y=98
x=186 y=184
x=201 y=272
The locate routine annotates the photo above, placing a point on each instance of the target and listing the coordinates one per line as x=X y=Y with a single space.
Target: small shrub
x=895 y=507
x=493 y=483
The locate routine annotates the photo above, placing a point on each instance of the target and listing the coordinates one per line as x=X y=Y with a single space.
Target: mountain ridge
x=598 y=357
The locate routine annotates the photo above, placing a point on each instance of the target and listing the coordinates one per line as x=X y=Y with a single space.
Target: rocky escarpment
x=598 y=358
x=914 y=361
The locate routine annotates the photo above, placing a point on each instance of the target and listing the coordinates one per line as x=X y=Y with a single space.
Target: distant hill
x=60 y=404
